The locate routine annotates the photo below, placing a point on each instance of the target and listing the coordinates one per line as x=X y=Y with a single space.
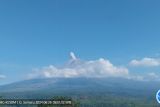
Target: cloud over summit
x=78 y=68
x=101 y=67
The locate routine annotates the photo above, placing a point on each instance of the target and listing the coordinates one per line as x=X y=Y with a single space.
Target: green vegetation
x=111 y=101
x=99 y=101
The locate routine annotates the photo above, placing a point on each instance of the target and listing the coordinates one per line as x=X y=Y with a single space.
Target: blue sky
x=36 y=33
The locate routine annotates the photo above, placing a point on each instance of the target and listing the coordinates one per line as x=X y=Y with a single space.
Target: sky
x=121 y=36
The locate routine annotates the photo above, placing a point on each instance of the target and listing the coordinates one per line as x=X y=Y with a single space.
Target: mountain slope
x=40 y=88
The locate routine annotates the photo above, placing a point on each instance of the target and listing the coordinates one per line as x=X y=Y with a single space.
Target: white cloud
x=96 y=68
x=146 y=62
x=78 y=68
x=151 y=76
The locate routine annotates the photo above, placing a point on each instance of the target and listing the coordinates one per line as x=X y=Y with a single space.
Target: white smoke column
x=72 y=55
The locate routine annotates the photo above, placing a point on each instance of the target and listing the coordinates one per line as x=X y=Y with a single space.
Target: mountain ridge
x=80 y=86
